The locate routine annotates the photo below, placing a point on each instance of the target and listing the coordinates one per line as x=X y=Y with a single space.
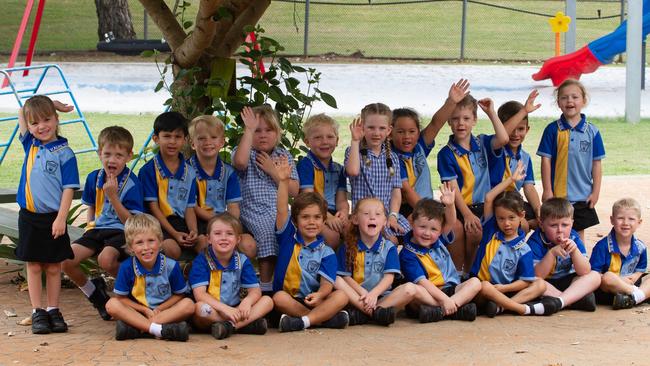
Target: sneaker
x=587 y=303
x=623 y=301
x=100 y=297
x=466 y=312
x=290 y=324
x=429 y=314
x=124 y=331
x=175 y=331
x=258 y=326
x=41 y=322
x=357 y=317
x=384 y=316
x=338 y=321
x=57 y=324
x=491 y=309
x=221 y=330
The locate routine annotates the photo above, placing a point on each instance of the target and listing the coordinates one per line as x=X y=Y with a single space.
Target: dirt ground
x=606 y=337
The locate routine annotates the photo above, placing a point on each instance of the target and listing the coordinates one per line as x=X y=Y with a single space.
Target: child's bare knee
x=539 y=285
x=112 y=305
x=410 y=289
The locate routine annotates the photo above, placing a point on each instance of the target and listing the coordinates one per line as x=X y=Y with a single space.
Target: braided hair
x=383 y=110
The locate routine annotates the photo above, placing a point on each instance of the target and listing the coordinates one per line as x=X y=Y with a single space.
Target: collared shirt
x=607 y=256
x=223 y=283
x=129 y=192
x=324 y=180
x=572 y=152
x=540 y=245
x=503 y=262
x=501 y=167
x=47 y=170
x=468 y=167
x=370 y=264
x=415 y=165
x=300 y=265
x=215 y=192
x=174 y=192
x=150 y=287
x=433 y=263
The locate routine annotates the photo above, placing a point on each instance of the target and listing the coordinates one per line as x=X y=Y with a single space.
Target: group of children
x=319 y=264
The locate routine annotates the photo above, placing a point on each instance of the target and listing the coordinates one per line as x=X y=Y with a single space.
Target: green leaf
x=249 y=28
x=328 y=99
x=187 y=24
x=159 y=86
x=147 y=53
x=299 y=69
x=291 y=83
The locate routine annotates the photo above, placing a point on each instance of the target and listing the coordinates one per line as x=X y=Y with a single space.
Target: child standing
x=427 y=263
x=150 y=287
x=253 y=158
x=560 y=257
x=48 y=179
x=622 y=259
x=319 y=173
x=217 y=185
x=306 y=271
x=373 y=168
x=112 y=195
x=572 y=150
x=217 y=276
x=169 y=186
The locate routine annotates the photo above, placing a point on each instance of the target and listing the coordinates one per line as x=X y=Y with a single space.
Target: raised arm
x=251 y=122
x=353 y=166
x=501 y=137
x=488 y=204
x=284 y=175
x=447 y=198
x=457 y=92
x=529 y=107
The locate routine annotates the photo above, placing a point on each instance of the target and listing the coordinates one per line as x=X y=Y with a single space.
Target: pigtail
x=351 y=247
x=364 y=153
x=389 y=160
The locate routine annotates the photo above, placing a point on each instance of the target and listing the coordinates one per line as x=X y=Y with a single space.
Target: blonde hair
x=39 y=107
x=227 y=219
x=568 y=82
x=382 y=110
x=210 y=121
x=139 y=224
x=115 y=135
x=268 y=114
x=627 y=203
x=320 y=119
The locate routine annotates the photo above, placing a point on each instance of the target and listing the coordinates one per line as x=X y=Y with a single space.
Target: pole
x=643 y=65
x=306 y=40
x=146 y=30
x=633 y=64
x=570 y=36
x=463 y=28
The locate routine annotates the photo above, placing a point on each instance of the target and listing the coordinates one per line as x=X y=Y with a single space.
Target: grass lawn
x=624 y=144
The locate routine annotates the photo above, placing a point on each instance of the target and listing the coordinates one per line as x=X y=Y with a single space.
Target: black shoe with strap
x=356 y=316
x=587 y=303
x=257 y=326
x=100 y=297
x=429 y=314
x=41 y=322
x=57 y=324
x=623 y=301
x=175 y=332
x=466 y=312
x=384 y=316
x=124 y=331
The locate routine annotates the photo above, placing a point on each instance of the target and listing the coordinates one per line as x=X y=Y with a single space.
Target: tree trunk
x=114 y=16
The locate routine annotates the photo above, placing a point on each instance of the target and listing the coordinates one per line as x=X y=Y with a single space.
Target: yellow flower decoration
x=559 y=23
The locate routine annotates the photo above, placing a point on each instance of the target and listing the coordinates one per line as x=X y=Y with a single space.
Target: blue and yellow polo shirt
x=217 y=191
x=468 y=167
x=47 y=170
x=301 y=265
x=433 y=263
x=324 y=180
x=150 y=287
x=572 y=152
x=415 y=165
x=501 y=167
x=540 y=245
x=502 y=262
x=173 y=192
x=223 y=283
x=370 y=264
x=129 y=192
x=607 y=257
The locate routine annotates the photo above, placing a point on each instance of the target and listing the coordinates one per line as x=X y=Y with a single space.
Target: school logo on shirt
x=219 y=194
x=509 y=265
x=585 y=145
x=378 y=267
x=312 y=266
x=182 y=194
x=51 y=166
x=235 y=286
x=163 y=289
x=631 y=266
x=480 y=160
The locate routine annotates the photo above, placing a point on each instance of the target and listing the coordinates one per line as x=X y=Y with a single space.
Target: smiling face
x=44 y=128
x=426 y=231
x=206 y=140
x=625 y=222
x=370 y=217
x=519 y=134
x=557 y=229
x=571 y=100
x=508 y=221
x=310 y=222
x=322 y=140
x=114 y=158
x=376 y=128
x=265 y=137
x=146 y=246
x=223 y=238
x=462 y=121
x=170 y=142
x=405 y=134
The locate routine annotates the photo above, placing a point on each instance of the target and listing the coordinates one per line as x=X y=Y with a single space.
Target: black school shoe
x=290 y=324
x=429 y=314
x=175 y=332
x=551 y=305
x=466 y=312
x=384 y=316
x=100 y=297
x=258 y=326
x=491 y=309
x=623 y=301
x=221 y=330
x=587 y=303
x=356 y=316
x=41 y=322
x=57 y=324
x=338 y=321
x=124 y=331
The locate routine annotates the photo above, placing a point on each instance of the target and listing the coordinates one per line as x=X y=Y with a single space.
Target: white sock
x=88 y=288
x=562 y=302
x=499 y=310
x=305 y=320
x=527 y=311
x=266 y=286
x=51 y=308
x=639 y=296
x=156 y=329
x=539 y=308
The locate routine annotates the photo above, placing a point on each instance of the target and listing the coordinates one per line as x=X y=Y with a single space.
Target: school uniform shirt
x=433 y=263
x=259 y=203
x=150 y=287
x=370 y=264
x=223 y=283
x=129 y=192
x=47 y=170
x=217 y=191
x=501 y=167
x=324 y=180
x=540 y=245
x=572 y=152
x=300 y=265
x=468 y=167
x=606 y=256
x=502 y=262
x=415 y=165
x=174 y=192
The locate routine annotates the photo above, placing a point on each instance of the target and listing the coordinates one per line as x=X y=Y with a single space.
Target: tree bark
x=114 y=16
